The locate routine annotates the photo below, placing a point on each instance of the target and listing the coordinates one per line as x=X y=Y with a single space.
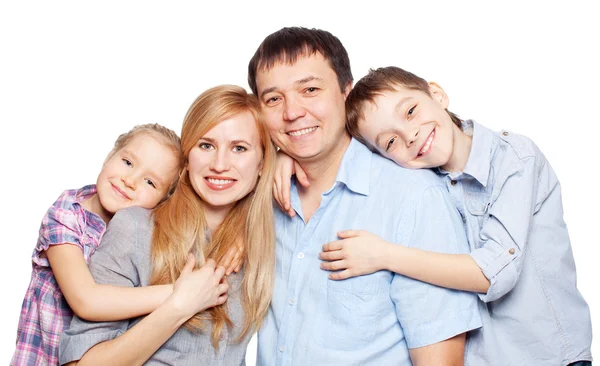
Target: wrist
x=177 y=309
x=390 y=256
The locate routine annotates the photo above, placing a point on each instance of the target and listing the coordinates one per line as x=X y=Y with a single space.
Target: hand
x=200 y=289
x=286 y=167
x=234 y=258
x=358 y=253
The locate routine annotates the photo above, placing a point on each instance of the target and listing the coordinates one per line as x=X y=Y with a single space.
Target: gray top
x=123 y=259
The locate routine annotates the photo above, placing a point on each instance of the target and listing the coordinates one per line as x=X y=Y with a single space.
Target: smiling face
x=139 y=174
x=224 y=165
x=410 y=127
x=303 y=107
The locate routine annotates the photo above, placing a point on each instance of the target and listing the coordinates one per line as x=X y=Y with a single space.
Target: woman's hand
x=234 y=258
x=285 y=168
x=200 y=289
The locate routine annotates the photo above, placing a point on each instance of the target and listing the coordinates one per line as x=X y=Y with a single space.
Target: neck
x=215 y=216
x=460 y=151
x=93 y=204
x=322 y=171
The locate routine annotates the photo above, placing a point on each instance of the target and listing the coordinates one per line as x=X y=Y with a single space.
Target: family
x=401 y=233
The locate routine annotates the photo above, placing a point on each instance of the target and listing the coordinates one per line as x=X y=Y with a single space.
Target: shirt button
x=291 y=301
x=300 y=255
x=511 y=251
x=505 y=133
x=281 y=348
x=453 y=182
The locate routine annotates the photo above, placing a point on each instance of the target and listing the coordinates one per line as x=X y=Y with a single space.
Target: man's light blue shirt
x=371 y=319
x=511 y=203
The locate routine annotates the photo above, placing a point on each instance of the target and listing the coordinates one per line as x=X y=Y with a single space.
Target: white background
x=74 y=75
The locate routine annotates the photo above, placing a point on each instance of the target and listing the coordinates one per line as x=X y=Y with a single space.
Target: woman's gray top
x=123 y=259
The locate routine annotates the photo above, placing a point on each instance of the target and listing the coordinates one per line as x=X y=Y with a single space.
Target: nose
x=220 y=162
x=292 y=110
x=129 y=181
x=410 y=136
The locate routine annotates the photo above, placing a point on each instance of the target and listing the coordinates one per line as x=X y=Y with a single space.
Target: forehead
x=241 y=126
x=283 y=73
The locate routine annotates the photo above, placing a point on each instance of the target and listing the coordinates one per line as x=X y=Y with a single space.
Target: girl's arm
x=193 y=292
x=97 y=302
x=360 y=252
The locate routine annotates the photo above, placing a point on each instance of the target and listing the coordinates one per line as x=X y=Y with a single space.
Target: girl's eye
x=239 y=149
x=390 y=143
x=206 y=146
x=127 y=162
x=150 y=182
x=411 y=110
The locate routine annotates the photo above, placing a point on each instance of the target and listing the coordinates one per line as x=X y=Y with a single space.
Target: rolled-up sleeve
x=430 y=314
x=506 y=226
x=113 y=263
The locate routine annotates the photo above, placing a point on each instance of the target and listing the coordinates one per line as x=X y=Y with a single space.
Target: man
x=302 y=77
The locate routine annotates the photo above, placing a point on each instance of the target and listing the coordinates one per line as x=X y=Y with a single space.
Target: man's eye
x=150 y=182
x=311 y=89
x=390 y=143
x=272 y=100
x=127 y=162
x=205 y=146
x=239 y=149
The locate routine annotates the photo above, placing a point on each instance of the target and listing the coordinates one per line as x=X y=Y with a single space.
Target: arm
x=123 y=259
x=286 y=167
x=360 y=252
x=193 y=292
x=446 y=353
x=97 y=302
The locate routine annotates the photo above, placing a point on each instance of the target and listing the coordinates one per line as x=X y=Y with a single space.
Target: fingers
x=332 y=255
x=334 y=266
x=349 y=233
x=334 y=245
x=210 y=263
x=221 y=299
x=219 y=272
x=301 y=175
x=189 y=264
x=228 y=260
x=340 y=275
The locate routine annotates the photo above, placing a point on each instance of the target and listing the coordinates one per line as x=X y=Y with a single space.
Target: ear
x=347 y=90
x=438 y=94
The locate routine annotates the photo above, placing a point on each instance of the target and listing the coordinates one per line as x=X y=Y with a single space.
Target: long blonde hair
x=180 y=222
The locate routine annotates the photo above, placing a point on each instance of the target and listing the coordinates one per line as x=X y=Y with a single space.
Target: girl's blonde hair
x=180 y=223
x=160 y=133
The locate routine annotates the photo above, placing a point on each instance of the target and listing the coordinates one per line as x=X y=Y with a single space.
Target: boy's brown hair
x=373 y=84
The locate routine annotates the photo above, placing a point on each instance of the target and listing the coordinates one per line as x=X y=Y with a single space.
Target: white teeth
x=302 y=132
x=427 y=144
x=219 y=182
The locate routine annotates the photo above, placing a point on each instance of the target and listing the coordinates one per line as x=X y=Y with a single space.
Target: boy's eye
x=150 y=182
x=127 y=162
x=206 y=146
x=390 y=143
x=411 y=110
x=239 y=149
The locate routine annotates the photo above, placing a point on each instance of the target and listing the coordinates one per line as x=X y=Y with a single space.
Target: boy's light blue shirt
x=510 y=200
x=372 y=319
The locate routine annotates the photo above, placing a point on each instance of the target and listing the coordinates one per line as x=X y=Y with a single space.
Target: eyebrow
x=297 y=82
x=233 y=142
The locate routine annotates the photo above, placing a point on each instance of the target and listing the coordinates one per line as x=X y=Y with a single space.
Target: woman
x=224 y=197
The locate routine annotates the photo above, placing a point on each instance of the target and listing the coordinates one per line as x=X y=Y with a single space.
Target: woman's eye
x=150 y=182
x=205 y=146
x=127 y=162
x=390 y=143
x=239 y=149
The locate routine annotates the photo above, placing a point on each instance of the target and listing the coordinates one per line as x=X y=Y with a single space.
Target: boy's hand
x=286 y=167
x=233 y=260
x=358 y=253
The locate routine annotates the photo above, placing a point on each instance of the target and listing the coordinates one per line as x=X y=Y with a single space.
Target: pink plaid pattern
x=45 y=312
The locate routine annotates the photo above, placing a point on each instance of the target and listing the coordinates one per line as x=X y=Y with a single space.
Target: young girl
x=141 y=170
x=521 y=262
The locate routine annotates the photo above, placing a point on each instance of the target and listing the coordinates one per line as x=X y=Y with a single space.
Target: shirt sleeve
x=430 y=314
x=59 y=226
x=507 y=223
x=113 y=263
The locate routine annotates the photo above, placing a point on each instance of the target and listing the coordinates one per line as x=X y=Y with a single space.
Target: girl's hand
x=200 y=289
x=358 y=253
x=234 y=258
x=286 y=167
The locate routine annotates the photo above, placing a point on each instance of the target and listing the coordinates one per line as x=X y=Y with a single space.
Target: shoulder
x=389 y=174
x=132 y=218
x=521 y=146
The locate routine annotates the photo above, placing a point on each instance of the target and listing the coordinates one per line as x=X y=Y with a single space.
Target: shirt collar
x=482 y=147
x=355 y=168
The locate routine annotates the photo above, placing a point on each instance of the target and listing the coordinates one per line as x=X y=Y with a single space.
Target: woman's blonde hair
x=180 y=223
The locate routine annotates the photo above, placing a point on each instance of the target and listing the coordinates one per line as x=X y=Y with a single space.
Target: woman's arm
x=193 y=292
x=96 y=302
